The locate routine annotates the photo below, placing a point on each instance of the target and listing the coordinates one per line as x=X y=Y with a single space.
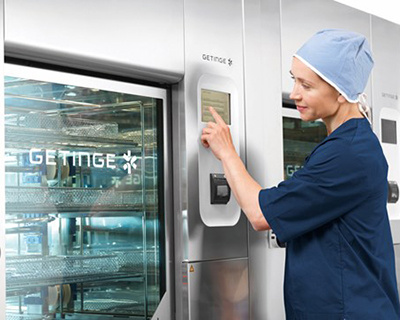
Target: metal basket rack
x=19 y=198
x=66 y=124
x=24 y=271
x=16 y=316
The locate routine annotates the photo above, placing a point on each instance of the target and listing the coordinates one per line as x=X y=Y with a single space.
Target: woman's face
x=314 y=97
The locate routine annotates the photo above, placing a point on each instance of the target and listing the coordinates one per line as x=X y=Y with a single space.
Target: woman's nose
x=295 y=94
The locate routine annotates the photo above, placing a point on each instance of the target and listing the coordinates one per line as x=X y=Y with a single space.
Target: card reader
x=220 y=190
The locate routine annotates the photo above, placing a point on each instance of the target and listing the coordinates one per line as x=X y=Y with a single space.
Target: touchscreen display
x=220 y=101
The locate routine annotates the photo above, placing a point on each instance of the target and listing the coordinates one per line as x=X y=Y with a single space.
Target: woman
x=331 y=213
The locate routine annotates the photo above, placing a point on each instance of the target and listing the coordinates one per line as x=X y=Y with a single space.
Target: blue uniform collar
x=338 y=131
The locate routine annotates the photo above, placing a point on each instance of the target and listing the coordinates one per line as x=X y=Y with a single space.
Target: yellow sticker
x=191 y=268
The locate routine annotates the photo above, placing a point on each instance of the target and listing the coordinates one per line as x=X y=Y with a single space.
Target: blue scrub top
x=332 y=215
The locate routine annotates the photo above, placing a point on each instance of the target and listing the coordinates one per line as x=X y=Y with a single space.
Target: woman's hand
x=245 y=189
x=217 y=136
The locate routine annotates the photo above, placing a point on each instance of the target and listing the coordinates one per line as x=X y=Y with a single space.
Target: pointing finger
x=216 y=116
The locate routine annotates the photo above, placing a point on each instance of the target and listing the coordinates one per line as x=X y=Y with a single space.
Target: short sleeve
x=331 y=184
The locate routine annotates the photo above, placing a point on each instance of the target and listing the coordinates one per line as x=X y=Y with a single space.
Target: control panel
x=217 y=207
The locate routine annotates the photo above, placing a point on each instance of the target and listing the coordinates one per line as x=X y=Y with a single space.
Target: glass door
x=299 y=138
x=85 y=209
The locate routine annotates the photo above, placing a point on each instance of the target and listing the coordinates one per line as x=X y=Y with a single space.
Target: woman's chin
x=307 y=118
x=304 y=117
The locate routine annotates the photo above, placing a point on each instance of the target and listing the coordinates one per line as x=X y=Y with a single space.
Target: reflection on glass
x=299 y=140
x=83 y=218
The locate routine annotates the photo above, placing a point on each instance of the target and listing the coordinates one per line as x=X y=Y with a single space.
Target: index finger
x=216 y=116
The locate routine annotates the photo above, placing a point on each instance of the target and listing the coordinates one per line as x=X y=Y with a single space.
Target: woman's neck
x=346 y=112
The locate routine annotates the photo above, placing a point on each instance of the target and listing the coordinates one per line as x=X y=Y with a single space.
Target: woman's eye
x=305 y=86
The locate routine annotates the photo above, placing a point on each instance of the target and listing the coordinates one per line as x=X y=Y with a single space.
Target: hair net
x=343 y=59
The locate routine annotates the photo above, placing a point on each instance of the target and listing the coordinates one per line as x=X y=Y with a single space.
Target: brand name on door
x=222 y=60
x=392 y=96
x=97 y=160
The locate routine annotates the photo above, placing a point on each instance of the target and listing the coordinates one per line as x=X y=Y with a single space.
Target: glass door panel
x=299 y=140
x=84 y=224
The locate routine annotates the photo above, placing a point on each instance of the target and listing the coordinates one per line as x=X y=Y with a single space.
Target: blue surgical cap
x=342 y=58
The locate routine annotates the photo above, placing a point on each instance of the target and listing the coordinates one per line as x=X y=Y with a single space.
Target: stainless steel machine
x=112 y=208
x=88 y=182
x=386 y=111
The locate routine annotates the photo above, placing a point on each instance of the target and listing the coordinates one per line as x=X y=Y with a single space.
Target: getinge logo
x=98 y=160
x=222 y=60
x=130 y=162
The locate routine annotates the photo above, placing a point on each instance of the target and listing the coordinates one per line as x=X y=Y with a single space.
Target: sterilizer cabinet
x=86 y=202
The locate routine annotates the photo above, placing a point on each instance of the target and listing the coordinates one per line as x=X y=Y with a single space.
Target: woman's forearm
x=245 y=190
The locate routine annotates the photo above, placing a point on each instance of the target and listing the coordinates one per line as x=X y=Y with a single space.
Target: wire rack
x=132 y=261
x=17 y=316
x=130 y=300
x=107 y=304
x=74 y=126
x=25 y=270
x=147 y=136
x=75 y=197
x=37 y=270
x=68 y=125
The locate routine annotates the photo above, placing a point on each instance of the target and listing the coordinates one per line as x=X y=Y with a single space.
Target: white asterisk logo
x=130 y=162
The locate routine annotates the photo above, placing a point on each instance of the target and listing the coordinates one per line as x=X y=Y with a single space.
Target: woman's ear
x=341 y=99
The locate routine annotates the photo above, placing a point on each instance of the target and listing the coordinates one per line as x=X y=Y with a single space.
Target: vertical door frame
x=2 y=176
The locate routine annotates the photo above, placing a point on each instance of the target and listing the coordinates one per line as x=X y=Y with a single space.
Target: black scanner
x=220 y=190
